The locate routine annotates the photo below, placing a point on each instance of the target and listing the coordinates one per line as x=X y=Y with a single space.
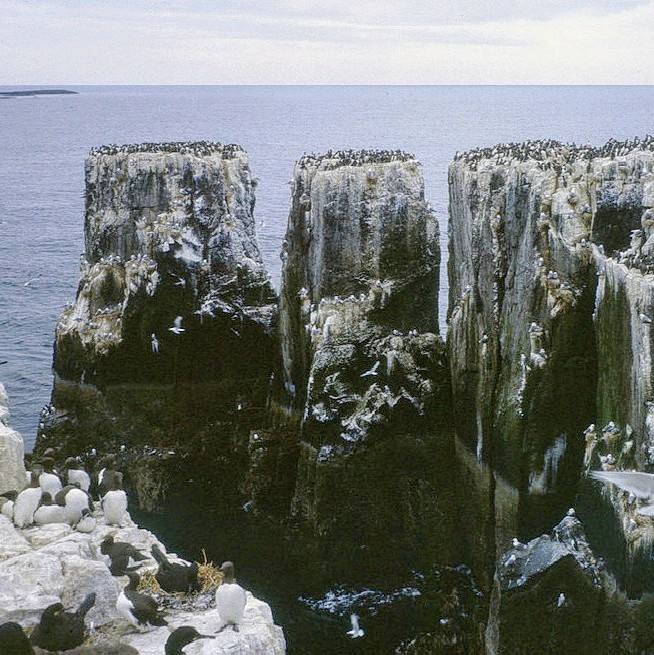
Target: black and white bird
x=87 y=522
x=50 y=482
x=230 y=598
x=181 y=637
x=27 y=502
x=48 y=512
x=114 y=504
x=77 y=475
x=173 y=576
x=356 y=630
x=136 y=608
x=61 y=630
x=177 y=325
x=120 y=553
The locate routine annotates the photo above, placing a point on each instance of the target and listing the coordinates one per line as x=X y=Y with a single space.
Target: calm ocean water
x=43 y=143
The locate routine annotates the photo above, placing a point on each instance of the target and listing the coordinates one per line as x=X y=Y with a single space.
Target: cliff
x=170 y=334
x=550 y=303
x=364 y=371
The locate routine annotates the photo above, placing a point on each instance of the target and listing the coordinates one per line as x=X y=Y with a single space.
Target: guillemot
x=181 y=637
x=61 y=630
x=230 y=598
x=48 y=512
x=77 y=475
x=120 y=552
x=49 y=480
x=173 y=576
x=27 y=502
x=137 y=608
x=114 y=504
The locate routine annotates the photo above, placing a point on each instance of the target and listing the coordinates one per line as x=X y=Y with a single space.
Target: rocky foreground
x=46 y=564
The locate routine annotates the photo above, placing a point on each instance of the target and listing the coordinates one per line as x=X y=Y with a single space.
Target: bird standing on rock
x=61 y=630
x=48 y=512
x=50 y=482
x=181 y=637
x=230 y=598
x=173 y=576
x=137 y=608
x=27 y=502
x=120 y=552
x=114 y=504
x=77 y=474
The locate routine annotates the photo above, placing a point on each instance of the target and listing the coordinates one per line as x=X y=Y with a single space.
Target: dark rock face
x=552 y=596
x=171 y=333
x=364 y=371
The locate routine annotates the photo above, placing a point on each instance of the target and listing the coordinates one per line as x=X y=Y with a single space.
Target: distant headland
x=36 y=92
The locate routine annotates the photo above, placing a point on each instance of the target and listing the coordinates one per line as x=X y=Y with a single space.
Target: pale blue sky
x=326 y=42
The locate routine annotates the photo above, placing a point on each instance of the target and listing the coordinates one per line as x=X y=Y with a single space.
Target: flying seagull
x=177 y=325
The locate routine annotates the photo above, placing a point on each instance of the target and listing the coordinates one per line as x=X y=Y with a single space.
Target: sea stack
x=363 y=365
x=172 y=320
x=551 y=299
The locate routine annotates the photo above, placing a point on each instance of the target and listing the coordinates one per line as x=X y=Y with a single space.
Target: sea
x=44 y=140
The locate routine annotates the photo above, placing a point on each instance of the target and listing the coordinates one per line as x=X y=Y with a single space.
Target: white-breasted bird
x=114 y=504
x=48 y=512
x=230 y=598
x=177 y=325
x=356 y=630
x=27 y=502
x=77 y=475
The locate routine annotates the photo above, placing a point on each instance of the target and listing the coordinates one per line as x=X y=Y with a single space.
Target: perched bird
x=86 y=523
x=137 y=608
x=356 y=631
x=61 y=630
x=13 y=641
x=77 y=474
x=230 y=598
x=48 y=512
x=154 y=343
x=639 y=484
x=120 y=552
x=27 y=502
x=181 y=637
x=173 y=576
x=50 y=482
x=561 y=600
x=177 y=325
x=75 y=502
x=114 y=504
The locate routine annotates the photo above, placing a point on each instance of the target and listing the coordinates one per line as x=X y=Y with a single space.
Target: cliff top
x=548 y=150
x=333 y=159
x=198 y=148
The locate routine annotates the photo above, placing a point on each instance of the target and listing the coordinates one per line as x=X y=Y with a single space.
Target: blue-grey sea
x=44 y=140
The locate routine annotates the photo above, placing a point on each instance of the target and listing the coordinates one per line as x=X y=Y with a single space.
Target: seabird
x=48 y=512
x=155 y=343
x=561 y=600
x=27 y=503
x=77 y=475
x=87 y=522
x=7 y=507
x=230 y=598
x=372 y=371
x=114 y=504
x=13 y=641
x=356 y=631
x=177 y=325
x=173 y=576
x=137 y=608
x=75 y=502
x=49 y=480
x=639 y=484
x=61 y=630
x=181 y=637
x=120 y=552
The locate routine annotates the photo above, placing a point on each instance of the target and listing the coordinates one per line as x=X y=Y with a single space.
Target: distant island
x=36 y=92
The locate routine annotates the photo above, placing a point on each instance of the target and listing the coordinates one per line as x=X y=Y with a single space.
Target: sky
x=57 y=42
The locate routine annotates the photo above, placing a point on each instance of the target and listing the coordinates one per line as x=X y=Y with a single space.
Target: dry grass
x=210 y=577
x=149 y=583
